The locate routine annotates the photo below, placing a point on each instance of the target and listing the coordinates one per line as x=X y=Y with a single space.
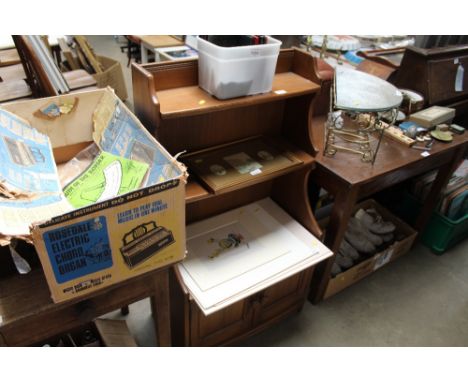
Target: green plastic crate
x=441 y=233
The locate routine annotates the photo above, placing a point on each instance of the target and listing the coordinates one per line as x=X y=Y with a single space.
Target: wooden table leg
x=441 y=180
x=343 y=207
x=124 y=310
x=2 y=341
x=144 y=54
x=56 y=53
x=160 y=307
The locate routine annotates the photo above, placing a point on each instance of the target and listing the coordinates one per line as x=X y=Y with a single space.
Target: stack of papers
x=238 y=253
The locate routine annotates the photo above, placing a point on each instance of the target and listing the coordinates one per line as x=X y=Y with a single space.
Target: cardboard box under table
x=92 y=247
x=370 y=265
x=100 y=332
x=111 y=76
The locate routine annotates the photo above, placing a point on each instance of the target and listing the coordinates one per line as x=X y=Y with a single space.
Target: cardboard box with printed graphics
x=113 y=239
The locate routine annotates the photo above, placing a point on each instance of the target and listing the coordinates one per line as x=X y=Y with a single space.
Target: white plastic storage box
x=229 y=72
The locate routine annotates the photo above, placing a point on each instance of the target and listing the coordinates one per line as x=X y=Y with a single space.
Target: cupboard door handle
x=257 y=298
x=262 y=297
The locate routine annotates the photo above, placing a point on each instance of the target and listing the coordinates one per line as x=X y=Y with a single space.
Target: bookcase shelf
x=183 y=117
x=192 y=100
x=194 y=191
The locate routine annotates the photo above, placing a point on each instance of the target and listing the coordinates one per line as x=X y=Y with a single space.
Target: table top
x=6 y=41
x=392 y=156
x=160 y=41
x=25 y=296
x=9 y=57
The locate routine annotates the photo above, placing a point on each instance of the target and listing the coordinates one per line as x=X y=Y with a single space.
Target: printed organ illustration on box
x=144 y=241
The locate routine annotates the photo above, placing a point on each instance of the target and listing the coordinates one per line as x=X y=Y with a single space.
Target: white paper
x=22 y=266
x=29 y=182
x=209 y=309
x=383 y=259
x=264 y=240
x=278 y=247
x=243 y=163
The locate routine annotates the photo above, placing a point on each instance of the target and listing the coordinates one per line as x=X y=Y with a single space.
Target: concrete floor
x=419 y=300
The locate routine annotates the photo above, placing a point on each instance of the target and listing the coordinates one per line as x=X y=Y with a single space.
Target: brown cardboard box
x=93 y=247
x=114 y=333
x=432 y=116
x=100 y=332
x=112 y=76
x=365 y=268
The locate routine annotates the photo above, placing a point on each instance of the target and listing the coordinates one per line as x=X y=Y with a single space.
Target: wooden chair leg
x=129 y=52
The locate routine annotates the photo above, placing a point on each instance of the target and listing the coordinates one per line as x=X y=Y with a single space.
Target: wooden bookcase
x=184 y=117
x=433 y=72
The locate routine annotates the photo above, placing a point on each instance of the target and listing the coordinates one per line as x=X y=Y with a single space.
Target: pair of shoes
x=347 y=250
x=359 y=240
x=336 y=269
x=343 y=261
x=387 y=237
x=346 y=257
x=356 y=225
x=374 y=221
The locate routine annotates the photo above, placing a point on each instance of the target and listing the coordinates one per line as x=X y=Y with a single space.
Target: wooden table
x=28 y=315
x=151 y=43
x=9 y=57
x=349 y=180
x=6 y=41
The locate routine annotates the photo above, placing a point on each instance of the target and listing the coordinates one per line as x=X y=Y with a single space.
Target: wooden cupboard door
x=219 y=327
x=442 y=75
x=282 y=298
x=249 y=315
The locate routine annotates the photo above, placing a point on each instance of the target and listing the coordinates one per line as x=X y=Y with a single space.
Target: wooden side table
x=28 y=315
x=349 y=179
x=150 y=43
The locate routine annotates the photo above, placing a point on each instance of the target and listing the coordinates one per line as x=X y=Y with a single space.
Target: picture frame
x=231 y=165
x=174 y=53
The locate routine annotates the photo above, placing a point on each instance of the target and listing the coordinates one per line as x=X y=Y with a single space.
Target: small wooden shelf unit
x=183 y=117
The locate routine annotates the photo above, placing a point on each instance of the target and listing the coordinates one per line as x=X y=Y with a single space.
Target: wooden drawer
x=442 y=74
x=246 y=317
